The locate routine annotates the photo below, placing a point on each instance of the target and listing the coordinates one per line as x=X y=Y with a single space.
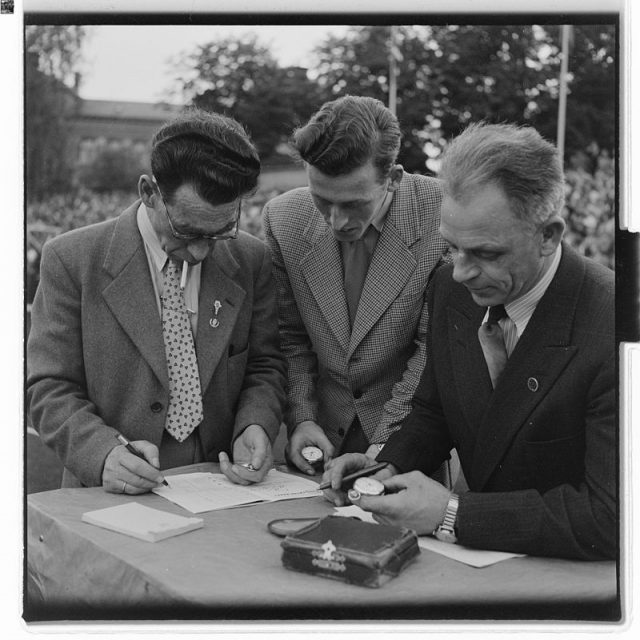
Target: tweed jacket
x=539 y=452
x=371 y=370
x=96 y=359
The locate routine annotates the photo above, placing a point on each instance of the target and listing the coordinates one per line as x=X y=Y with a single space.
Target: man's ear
x=552 y=232
x=395 y=175
x=147 y=191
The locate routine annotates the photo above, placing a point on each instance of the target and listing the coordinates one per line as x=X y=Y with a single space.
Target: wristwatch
x=446 y=530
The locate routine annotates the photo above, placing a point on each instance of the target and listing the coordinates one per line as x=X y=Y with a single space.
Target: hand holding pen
x=132 y=468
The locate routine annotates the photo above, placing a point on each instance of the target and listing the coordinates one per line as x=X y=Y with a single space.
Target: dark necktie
x=356 y=257
x=184 y=413
x=492 y=342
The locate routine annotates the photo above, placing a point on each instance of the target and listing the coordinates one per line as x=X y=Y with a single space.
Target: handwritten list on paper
x=199 y=492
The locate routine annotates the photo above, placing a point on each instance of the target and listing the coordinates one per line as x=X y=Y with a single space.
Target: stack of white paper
x=134 y=519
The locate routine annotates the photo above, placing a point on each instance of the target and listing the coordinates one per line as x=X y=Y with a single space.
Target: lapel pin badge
x=214 y=322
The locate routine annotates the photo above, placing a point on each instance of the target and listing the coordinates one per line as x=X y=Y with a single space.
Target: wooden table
x=231 y=570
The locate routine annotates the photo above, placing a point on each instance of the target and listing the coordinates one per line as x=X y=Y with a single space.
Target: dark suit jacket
x=96 y=359
x=539 y=452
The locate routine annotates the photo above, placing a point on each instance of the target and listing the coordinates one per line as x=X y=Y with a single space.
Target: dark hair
x=209 y=151
x=517 y=159
x=346 y=133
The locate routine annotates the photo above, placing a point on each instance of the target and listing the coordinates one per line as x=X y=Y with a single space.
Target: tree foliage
x=52 y=54
x=450 y=75
x=241 y=78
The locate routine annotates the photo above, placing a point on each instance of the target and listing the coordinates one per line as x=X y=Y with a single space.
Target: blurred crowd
x=589 y=211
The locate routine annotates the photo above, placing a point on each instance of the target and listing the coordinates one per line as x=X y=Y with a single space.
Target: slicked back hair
x=210 y=152
x=517 y=159
x=345 y=134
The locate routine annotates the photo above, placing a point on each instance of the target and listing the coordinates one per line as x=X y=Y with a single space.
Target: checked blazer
x=539 y=452
x=371 y=370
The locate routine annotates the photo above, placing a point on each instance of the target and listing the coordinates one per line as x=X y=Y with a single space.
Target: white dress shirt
x=157 y=259
x=521 y=309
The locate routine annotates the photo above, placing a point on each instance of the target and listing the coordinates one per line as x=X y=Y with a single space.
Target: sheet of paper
x=353 y=511
x=472 y=557
x=199 y=492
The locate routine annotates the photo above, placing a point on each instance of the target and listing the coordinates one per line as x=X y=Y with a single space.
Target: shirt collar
x=521 y=309
x=154 y=249
x=378 y=222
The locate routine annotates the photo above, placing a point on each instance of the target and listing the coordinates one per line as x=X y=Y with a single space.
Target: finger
x=299 y=461
x=150 y=452
x=260 y=457
x=385 y=507
x=338 y=498
x=117 y=473
x=395 y=483
x=132 y=489
x=248 y=474
x=134 y=480
x=344 y=465
x=124 y=487
x=228 y=469
x=141 y=469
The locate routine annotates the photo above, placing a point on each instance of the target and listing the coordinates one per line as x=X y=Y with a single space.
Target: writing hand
x=124 y=472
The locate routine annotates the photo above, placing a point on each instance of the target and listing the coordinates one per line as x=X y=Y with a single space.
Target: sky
x=132 y=63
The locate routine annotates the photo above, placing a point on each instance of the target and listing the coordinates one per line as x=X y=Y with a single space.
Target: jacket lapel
x=130 y=294
x=541 y=355
x=217 y=284
x=473 y=384
x=391 y=266
x=322 y=269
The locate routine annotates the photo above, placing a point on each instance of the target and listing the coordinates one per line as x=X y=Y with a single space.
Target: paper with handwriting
x=202 y=491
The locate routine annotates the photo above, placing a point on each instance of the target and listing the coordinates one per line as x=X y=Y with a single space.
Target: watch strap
x=446 y=530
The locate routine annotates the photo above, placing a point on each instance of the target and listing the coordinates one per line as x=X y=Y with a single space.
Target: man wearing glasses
x=160 y=327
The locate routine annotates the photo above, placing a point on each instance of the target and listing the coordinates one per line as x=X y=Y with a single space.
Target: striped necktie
x=184 y=413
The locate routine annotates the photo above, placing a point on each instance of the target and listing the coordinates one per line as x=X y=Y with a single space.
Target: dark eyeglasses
x=228 y=233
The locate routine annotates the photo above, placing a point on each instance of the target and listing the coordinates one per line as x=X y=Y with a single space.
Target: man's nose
x=337 y=218
x=200 y=248
x=464 y=269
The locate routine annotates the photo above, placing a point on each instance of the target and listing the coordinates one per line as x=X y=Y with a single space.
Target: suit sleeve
x=398 y=407
x=57 y=397
x=566 y=521
x=294 y=340
x=423 y=441
x=262 y=397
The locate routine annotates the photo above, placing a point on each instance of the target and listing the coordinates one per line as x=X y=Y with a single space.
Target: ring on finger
x=124 y=487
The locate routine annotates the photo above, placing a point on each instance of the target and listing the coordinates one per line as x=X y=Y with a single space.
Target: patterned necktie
x=185 y=397
x=356 y=257
x=492 y=342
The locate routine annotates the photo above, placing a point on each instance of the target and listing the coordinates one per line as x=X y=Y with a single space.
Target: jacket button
x=156 y=407
x=357 y=394
x=340 y=431
x=532 y=384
